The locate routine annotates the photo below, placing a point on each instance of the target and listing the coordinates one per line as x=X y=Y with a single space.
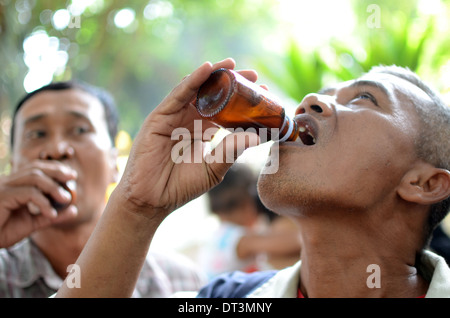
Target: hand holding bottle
x=152 y=178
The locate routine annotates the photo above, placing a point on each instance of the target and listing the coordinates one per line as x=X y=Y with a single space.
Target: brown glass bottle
x=231 y=101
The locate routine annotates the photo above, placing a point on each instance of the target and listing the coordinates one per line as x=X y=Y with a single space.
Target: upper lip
x=308 y=129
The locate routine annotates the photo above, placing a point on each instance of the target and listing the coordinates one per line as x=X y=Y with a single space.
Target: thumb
x=222 y=157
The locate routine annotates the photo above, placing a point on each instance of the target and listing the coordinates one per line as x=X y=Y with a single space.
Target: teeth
x=305 y=134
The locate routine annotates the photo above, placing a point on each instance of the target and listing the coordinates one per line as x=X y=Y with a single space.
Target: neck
x=62 y=244
x=345 y=255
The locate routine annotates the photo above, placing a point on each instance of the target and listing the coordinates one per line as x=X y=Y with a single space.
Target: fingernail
x=64 y=193
x=33 y=208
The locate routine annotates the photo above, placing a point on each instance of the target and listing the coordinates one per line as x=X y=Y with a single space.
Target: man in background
x=64 y=133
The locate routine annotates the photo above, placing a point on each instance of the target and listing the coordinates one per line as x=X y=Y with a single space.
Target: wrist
x=124 y=203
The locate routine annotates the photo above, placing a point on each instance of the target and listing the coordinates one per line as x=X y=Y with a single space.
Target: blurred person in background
x=65 y=133
x=249 y=237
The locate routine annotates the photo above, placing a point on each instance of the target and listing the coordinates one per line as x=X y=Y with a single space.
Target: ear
x=425 y=184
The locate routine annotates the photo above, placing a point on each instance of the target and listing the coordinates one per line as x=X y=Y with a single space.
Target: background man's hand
x=24 y=199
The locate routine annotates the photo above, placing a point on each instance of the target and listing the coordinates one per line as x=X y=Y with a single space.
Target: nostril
x=316 y=108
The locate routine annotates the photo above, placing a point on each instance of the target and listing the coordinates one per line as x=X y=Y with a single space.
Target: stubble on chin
x=284 y=193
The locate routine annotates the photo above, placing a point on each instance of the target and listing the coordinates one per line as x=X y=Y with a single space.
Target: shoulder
x=24 y=271
x=164 y=274
x=15 y=255
x=235 y=284
x=264 y=284
x=172 y=263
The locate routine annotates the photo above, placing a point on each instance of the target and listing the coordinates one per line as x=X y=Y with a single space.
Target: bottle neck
x=288 y=131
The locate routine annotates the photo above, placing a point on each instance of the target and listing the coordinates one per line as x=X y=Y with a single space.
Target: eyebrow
x=326 y=90
x=33 y=119
x=356 y=84
x=38 y=117
x=374 y=84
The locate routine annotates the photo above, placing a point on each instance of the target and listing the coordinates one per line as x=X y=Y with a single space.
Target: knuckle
x=35 y=172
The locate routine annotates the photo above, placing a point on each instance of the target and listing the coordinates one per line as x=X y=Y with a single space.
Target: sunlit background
x=139 y=50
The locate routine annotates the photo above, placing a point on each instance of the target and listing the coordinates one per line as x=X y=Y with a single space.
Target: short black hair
x=105 y=98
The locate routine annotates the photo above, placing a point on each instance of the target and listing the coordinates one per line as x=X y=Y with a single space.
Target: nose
x=57 y=150
x=316 y=103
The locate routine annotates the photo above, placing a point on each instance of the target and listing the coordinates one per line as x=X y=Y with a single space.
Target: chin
x=276 y=192
x=264 y=189
x=67 y=224
x=288 y=193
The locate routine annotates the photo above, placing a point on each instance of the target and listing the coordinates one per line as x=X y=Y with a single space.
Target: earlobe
x=425 y=184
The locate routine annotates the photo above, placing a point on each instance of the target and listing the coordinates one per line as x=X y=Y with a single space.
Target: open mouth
x=307 y=131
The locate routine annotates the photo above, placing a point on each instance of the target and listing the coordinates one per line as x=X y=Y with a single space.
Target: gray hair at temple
x=433 y=142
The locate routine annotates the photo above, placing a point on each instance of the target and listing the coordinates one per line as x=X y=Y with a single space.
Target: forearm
x=113 y=257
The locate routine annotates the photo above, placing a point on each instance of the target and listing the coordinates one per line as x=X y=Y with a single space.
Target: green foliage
x=405 y=37
x=399 y=42
x=298 y=74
